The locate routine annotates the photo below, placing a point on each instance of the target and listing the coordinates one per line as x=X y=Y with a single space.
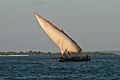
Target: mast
x=61 y=39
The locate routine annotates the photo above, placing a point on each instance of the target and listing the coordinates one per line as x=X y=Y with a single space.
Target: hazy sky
x=93 y=24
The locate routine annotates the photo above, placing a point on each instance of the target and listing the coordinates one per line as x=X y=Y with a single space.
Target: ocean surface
x=48 y=68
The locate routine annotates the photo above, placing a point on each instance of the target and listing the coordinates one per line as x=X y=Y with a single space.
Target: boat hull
x=73 y=59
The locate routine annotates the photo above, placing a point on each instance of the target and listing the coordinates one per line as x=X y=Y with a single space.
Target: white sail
x=65 y=43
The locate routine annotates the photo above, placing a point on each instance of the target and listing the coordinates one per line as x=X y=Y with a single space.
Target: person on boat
x=64 y=55
x=87 y=56
x=69 y=54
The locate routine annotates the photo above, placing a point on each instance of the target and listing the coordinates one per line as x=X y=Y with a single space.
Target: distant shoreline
x=14 y=55
x=39 y=53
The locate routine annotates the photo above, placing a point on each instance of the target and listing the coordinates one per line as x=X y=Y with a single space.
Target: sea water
x=47 y=68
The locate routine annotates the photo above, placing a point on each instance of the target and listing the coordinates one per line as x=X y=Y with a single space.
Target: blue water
x=46 y=68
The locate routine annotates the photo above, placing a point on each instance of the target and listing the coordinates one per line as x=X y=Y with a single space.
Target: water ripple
x=40 y=68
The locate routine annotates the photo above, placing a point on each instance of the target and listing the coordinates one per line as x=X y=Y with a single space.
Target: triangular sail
x=61 y=39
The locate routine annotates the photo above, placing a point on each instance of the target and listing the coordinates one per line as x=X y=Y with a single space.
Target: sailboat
x=69 y=48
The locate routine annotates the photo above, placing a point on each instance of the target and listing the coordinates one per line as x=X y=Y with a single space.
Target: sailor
x=87 y=57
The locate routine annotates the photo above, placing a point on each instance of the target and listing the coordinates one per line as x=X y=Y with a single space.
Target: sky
x=93 y=24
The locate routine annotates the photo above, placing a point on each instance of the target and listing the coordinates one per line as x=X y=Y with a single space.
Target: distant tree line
x=30 y=53
x=34 y=53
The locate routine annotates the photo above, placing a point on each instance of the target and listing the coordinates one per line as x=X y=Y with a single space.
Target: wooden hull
x=74 y=59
